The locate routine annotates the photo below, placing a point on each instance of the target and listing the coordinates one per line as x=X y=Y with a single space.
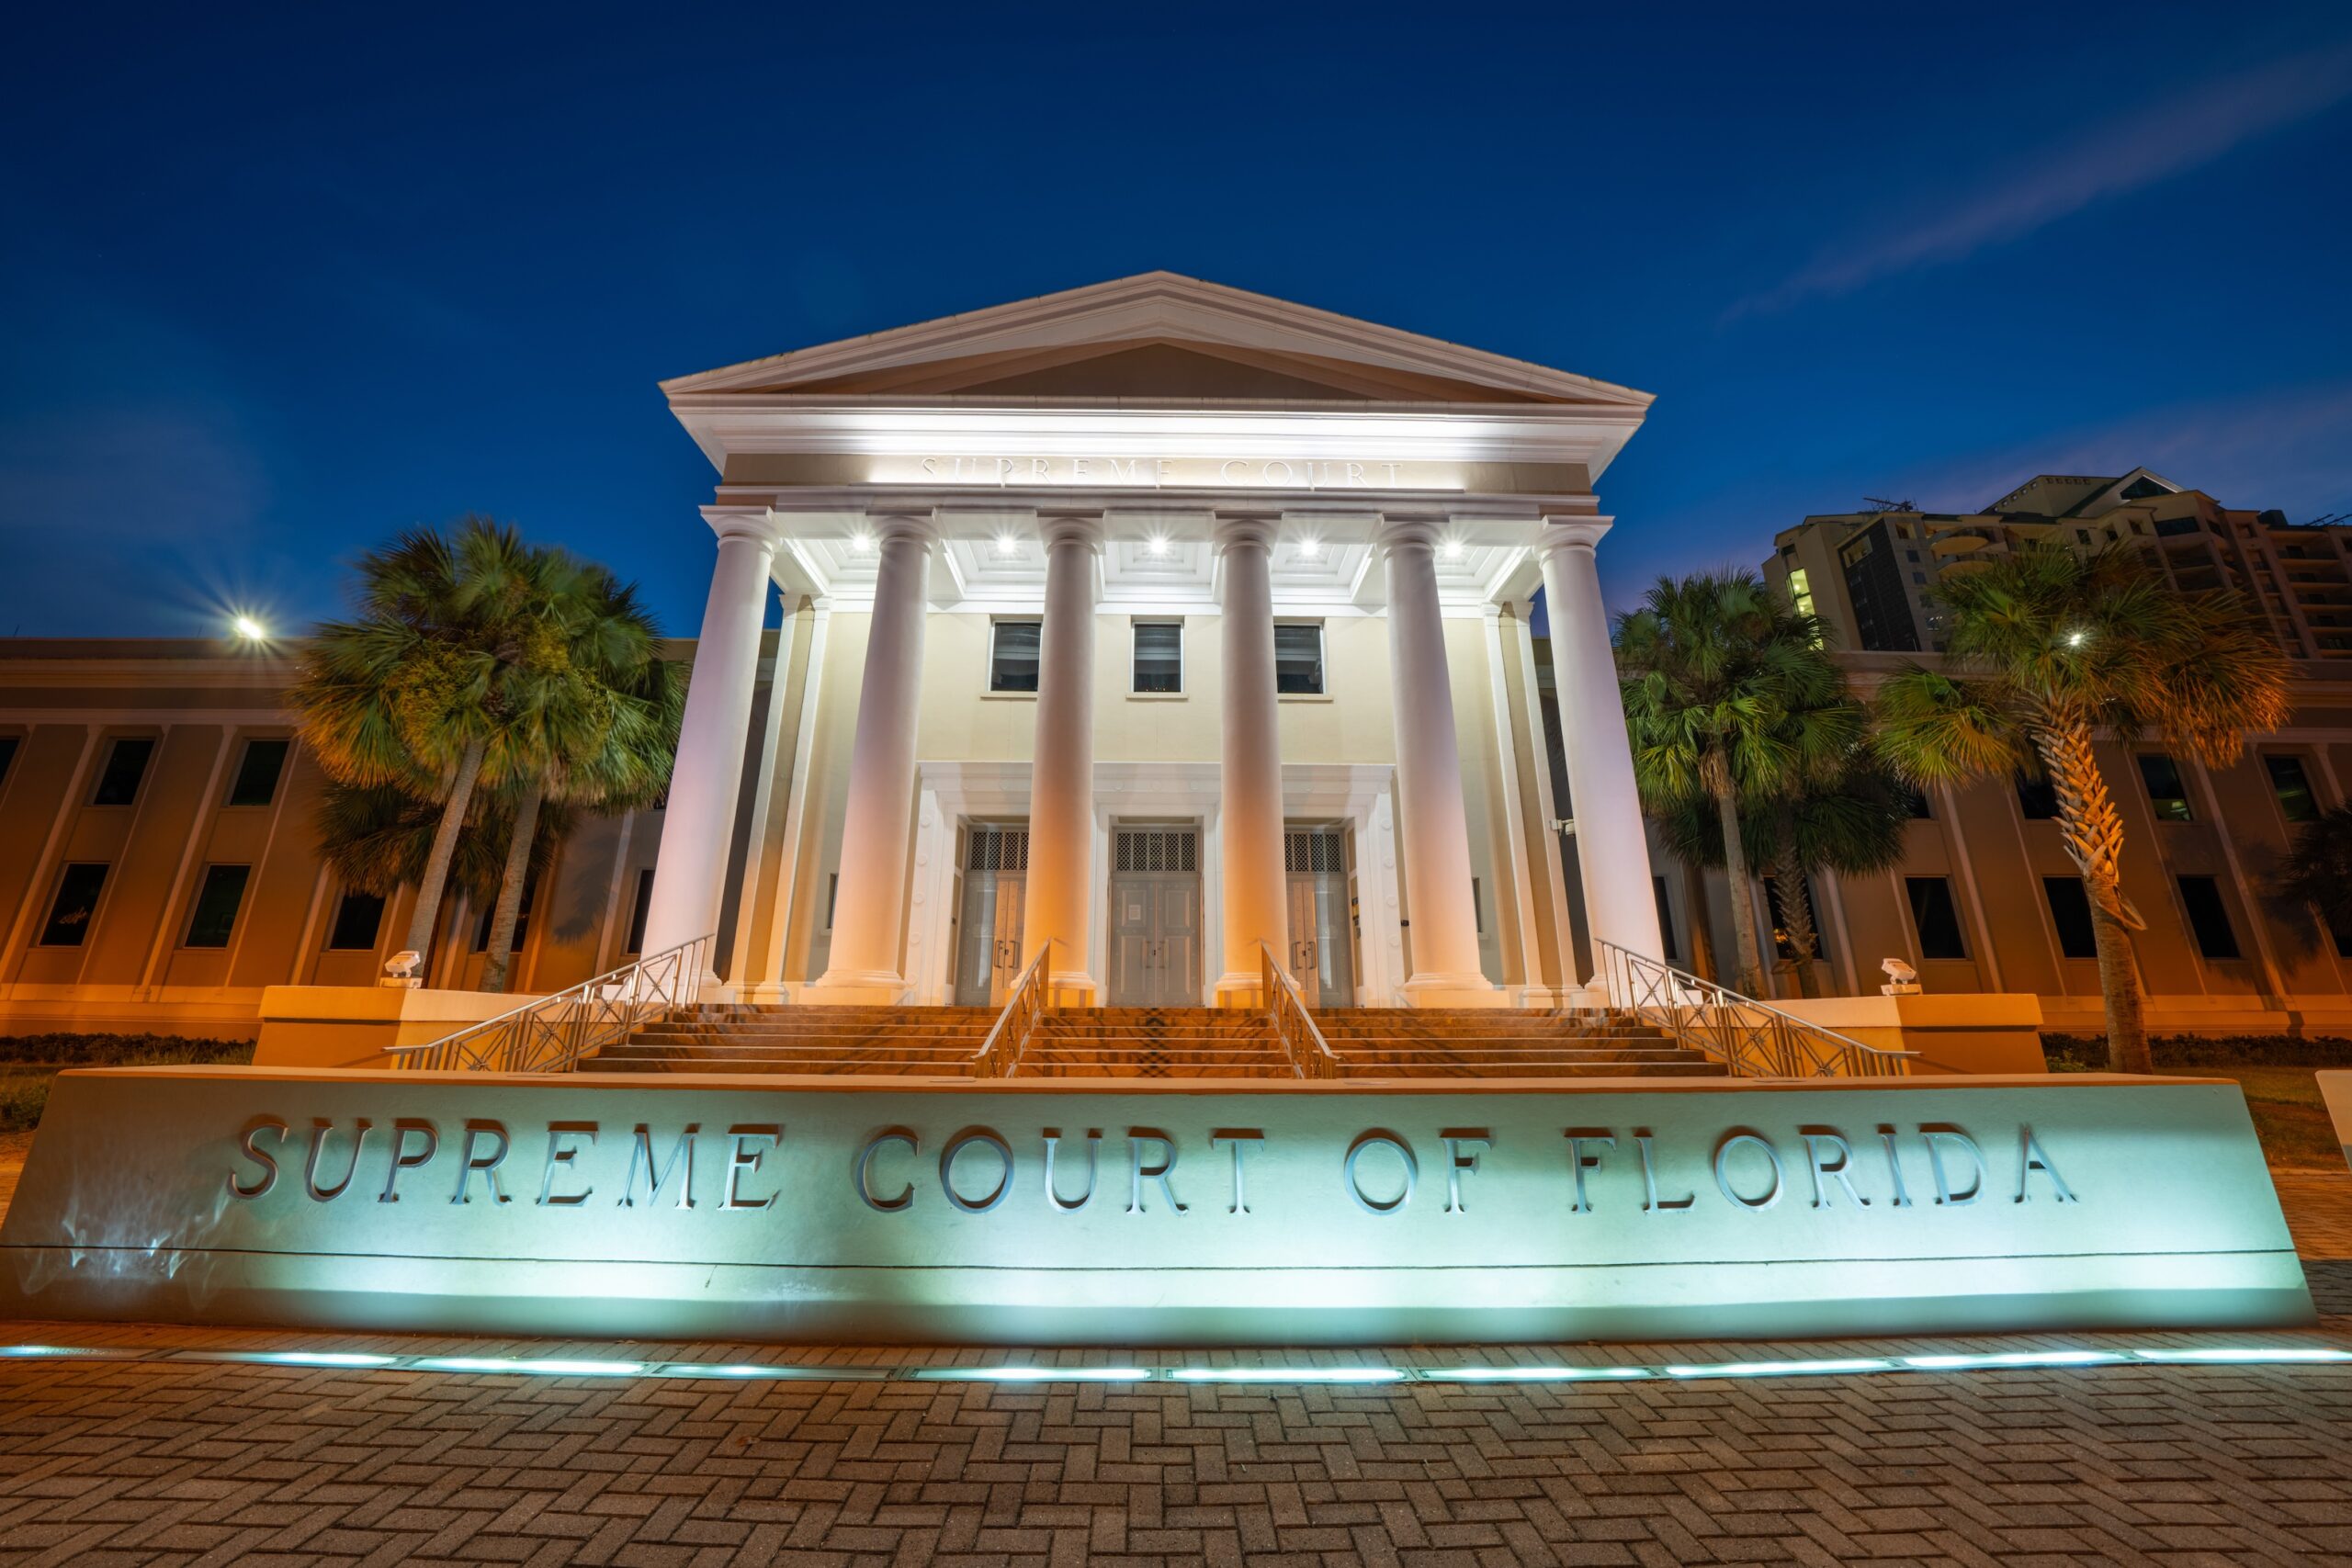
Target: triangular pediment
x=1159 y=336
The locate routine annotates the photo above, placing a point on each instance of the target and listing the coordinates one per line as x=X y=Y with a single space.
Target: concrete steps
x=1153 y=1043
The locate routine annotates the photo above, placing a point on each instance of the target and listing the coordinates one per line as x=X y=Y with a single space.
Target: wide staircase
x=1152 y=1043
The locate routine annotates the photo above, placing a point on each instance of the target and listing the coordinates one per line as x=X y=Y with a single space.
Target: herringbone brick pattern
x=185 y=1462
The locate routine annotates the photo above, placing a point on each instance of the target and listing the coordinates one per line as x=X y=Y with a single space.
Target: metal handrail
x=1752 y=1039
x=555 y=1033
x=1310 y=1055
x=1029 y=1000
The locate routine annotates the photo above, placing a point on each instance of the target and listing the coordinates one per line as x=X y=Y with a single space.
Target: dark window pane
x=1013 y=656
x=126 y=765
x=638 y=911
x=2166 y=792
x=8 y=755
x=76 y=901
x=1935 y=917
x=2340 y=933
x=2070 y=912
x=257 y=774
x=522 y=918
x=357 y=918
x=2288 y=781
x=1666 y=921
x=217 y=899
x=1298 y=660
x=1160 y=656
x=1915 y=802
x=2037 y=798
x=2209 y=918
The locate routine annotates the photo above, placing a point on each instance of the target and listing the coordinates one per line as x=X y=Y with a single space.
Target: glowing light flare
x=1454 y=550
x=1995 y=1360
x=248 y=628
x=861 y=543
x=1780 y=1369
x=1533 y=1374
x=1311 y=549
x=550 y=1368
x=2247 y=1354
x=1157 y=544
x=1288 y=1375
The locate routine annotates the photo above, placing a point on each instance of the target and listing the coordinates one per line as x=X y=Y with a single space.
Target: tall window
x=78 y=900
x=8 y=755
x=1014 y=648
x=2167 y=794
x=1299 y=660
x=522 y=916
x=126 y=765
x=2037 y=798
x=640 y=908
x=2209 y=918
x=1915 y=802
x=2287 y=781
x=2070 y=912
x=1935 y=916
x=1666 y=921
x=257 y=773
x=214 y=915
x=357 y=919
x=1160 y=656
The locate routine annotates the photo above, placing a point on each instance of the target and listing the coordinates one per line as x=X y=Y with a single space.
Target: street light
x=249 y=629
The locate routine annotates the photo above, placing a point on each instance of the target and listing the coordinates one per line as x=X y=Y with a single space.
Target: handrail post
x=1750 y=1038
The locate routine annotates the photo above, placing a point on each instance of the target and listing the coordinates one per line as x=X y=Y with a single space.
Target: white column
x=690 y=874
x=1620 y=904
x=1250 y=784
x=864 y=963
x=1434 y=826
x=1059 y=898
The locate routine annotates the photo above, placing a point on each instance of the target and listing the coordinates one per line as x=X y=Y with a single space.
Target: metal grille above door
x=1313 y=849
x=1156 y=849
x=998 y=848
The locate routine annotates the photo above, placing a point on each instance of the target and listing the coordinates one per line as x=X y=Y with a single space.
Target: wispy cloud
x=2175 y=133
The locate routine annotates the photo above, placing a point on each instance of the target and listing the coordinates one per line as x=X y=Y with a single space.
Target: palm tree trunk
x=1797 y=911
x=510 y=889
x=445 y=847
x=1749 y=957
x=1702 y=925
x=2093 y=834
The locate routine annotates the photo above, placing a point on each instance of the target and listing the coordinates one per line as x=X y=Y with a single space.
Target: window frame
x=1135 y=655
x=334 y=921
x=641 y=912
x=1322 y=692
x=2270 y=761
x=2163 y=807
x=2221 y=908
x=106 y=768
x=987 y=669
x=2058 y=924
x=196 y=907
x=1911 y=906
x=230 y=802
x=57 y=895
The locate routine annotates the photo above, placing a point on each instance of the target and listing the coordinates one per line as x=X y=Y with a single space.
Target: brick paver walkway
x=174 y=1461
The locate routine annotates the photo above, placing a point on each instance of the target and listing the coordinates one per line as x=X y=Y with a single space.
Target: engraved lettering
x=251 y=1148
x=1939 y=1137
x=1580 y=1162
x=1053 y=1195
x=1404 y=1152
x=743 y=1159
x=1240 y=1138
x=641 y=1158
x=1824 y=1144
x=1723 y=1170
x=866 y=1170
x=1456 y=1162
x=1139 y=1173
x=319 y=1131
x=1895 y=1167
x=560 y=1153
x=956 y=1146
x=470 y=1162
x=1651 y=1201
x=403 y=1159
x=2032 y=1159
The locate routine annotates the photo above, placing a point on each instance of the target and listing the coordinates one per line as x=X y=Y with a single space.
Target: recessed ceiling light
x=1006 y=544
x=1454 y=550
x=1311 y=549
x=861 y=543
x=1157 y=544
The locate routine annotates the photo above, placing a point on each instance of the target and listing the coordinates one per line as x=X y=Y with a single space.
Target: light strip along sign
x=638 y=1207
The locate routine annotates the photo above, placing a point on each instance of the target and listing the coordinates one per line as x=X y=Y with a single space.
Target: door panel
x=1179 y=952
x=976 y=941
x=1010 y=890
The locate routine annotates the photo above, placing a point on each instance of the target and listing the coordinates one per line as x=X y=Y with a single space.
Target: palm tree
x=378 y=838
x=610 y=751
x=430 y=687
x=1851 y=822
x=1731 y=698
x=2049 y=649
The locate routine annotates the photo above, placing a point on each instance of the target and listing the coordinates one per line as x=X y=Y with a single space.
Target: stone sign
x=1026 y=1214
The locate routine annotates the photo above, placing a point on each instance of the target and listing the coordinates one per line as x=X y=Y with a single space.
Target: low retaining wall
x=1085 y=1212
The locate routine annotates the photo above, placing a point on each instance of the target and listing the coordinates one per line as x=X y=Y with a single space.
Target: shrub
x=2087 y=1053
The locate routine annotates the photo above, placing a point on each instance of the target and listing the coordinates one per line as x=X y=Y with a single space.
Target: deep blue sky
x=276 y=283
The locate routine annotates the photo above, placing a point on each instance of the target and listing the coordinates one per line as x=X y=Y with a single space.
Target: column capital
x=1409 y=530
x=1245 y=529
x=1571 y=533
x=920 y=526
x=756 y=523
x=1060 y=527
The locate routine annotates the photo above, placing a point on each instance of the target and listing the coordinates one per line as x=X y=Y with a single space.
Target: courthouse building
x=1165 y=623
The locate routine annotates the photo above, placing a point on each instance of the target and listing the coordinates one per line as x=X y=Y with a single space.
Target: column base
x=856 y=987
x=1241 y=991
x=1454 y=991
x=1073 y=989
x=767 y=994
